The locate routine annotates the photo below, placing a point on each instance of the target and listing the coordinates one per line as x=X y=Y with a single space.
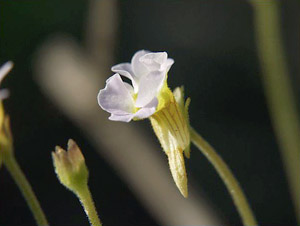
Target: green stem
x=86 y=200
x=14 y=169
x=279 y=94
x=228 y=178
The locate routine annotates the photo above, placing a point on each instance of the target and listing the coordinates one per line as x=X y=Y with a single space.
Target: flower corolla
x=147 y=73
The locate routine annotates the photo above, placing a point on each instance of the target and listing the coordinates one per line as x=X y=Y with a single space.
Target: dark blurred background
x=215 y=55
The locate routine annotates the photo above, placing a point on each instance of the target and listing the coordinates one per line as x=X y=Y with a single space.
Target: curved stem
x=86 y=200
x=278 y=90
x=228 y=178
x=25 y=188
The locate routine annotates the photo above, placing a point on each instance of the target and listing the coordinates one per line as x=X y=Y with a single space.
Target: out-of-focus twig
x=278 y=90
x=101 y=32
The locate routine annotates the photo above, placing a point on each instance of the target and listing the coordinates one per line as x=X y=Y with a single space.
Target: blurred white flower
x=5 y=68
x=147 y=72
x=5 y=134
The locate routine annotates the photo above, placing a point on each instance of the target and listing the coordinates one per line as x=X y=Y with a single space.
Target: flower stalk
x=15 y=171
x=84 y=195
x=228 y=178
x=11 y=164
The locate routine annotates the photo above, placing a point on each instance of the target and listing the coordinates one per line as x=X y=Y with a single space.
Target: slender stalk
x=279 y=94
x=228 y=178
x=87 y=203
x=14 y=169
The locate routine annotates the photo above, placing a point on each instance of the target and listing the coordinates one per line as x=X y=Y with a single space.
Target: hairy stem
x=86 y=200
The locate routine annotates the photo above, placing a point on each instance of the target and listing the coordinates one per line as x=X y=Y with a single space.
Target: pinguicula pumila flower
x=148 y=96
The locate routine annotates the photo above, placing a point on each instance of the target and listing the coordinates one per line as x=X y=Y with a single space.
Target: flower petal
x=115 y=97
x=129 y=88
x=149 y=87
x=121 y=118
x=138 y=68
x=5 y=69
x=168 y=64
x=154 y=61
x=157 y=61
x=148 y=110
x=125 y=69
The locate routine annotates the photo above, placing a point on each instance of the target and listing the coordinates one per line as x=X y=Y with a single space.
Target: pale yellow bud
x=70 y=166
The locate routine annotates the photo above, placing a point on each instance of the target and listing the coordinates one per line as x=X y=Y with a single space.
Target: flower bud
x=70 y=166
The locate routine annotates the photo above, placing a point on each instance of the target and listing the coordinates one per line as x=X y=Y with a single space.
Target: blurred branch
x=101 y=32
x=72 y=80
x=282 y=103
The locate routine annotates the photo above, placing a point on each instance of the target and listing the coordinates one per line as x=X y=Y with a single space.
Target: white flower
x=4 y=93
x=150 y=97
x=147 y=72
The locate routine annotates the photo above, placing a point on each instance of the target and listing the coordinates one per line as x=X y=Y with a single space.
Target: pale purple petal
x=5 y=69
x=129 y=88
x=154 y=61
x=138 y=67
x=121 y=118
x=144 y=113
x=168 y=64
x=157 y=61
x=149 y=87
x=148 y=110
x=125 y=69
x=147 y=73
x=115 y=97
